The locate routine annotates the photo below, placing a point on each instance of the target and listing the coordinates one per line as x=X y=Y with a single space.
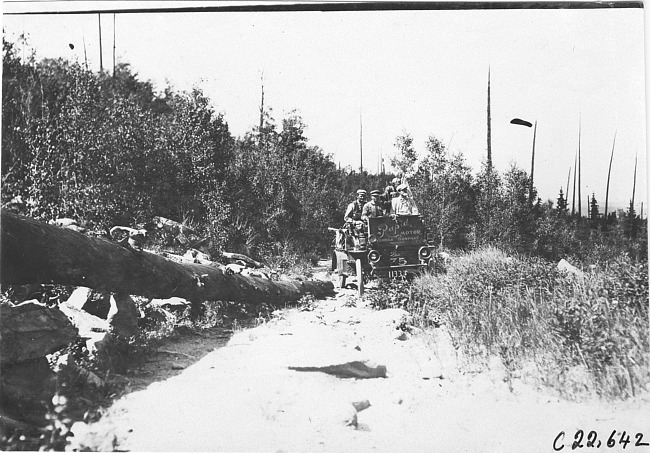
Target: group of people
x=394 y=201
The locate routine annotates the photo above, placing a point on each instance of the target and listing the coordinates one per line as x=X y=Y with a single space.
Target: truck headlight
x=425 y=253
x=374 y=256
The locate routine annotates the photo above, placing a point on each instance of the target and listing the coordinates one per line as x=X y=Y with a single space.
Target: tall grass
x=527 y=310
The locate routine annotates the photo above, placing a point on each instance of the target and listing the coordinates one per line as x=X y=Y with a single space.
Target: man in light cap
x=373 y=208
x=352 y=215
x=353 y=212
x=403 y=204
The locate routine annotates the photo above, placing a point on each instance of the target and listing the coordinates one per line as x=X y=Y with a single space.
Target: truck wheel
x=359 y=276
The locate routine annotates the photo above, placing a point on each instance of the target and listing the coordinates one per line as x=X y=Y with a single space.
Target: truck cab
x=388 y=247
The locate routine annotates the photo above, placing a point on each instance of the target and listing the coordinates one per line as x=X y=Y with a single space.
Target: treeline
x=470 y=211
x=108 y=150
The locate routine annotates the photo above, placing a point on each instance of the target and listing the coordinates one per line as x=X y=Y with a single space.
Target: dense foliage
x=108 y=150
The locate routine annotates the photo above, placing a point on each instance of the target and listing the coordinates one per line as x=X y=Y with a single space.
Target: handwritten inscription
x=617 y=438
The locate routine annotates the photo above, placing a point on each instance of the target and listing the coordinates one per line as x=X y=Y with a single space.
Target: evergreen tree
x=562 y=204
x=489 y=207
x=594 y=213
x=631 y=212
x=631 y=225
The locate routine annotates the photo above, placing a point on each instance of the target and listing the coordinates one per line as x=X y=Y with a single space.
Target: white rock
x=84 y=321
x=63 y=222
x=79 y=297
x=234 y=268
x=565 y=266
x=171 y=302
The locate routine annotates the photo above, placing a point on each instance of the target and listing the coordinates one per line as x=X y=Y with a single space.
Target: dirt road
x=247 y=395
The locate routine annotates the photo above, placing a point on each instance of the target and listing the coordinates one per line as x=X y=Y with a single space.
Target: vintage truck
x=386 y=248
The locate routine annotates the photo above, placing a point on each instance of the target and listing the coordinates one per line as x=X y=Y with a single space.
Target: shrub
x=393 y=294
x=284 y=258
x=525 y=309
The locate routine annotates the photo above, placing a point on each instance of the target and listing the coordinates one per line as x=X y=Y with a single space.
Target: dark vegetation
x=108 y=150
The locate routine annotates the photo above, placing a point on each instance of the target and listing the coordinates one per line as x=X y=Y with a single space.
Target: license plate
x=394 y=274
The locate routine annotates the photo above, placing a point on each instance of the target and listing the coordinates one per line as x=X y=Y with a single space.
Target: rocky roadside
x=338 y=376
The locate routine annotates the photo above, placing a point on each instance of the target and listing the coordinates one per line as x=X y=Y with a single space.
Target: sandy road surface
x=242 y=396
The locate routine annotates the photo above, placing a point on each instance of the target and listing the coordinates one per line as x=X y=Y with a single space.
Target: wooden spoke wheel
x=360 y=276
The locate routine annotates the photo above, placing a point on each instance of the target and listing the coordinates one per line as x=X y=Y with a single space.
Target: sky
x=363 y=78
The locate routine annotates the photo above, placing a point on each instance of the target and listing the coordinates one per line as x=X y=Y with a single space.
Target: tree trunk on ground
x=34 y=252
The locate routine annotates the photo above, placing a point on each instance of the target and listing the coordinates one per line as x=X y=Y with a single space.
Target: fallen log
x=35 y=252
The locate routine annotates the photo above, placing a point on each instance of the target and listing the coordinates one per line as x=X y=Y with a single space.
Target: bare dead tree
x=568 y=179
x=113 y=44
x=573 y=200
x=361 y=141
x=634 y=185
x=262 y=103
x=532 y=167
x=83 y=37
x=609 y=173
x=101 y=61
x=489 y=125
x=579 y=173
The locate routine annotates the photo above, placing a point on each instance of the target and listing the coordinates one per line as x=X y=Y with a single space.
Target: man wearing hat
x=353 y=212
x=352 y=216
x=403 y=204
x=390 y=192
x=373 y=208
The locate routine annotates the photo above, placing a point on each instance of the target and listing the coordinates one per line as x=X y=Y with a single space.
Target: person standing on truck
x=390 y=192
x=403 y=204
x=374 y=207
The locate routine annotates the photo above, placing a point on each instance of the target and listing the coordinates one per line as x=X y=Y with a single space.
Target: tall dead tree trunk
x=113 y=44
x=532 y=168
x=609 y=173
x=261 y=109
x=573 y=200
x=579 y=174
x=568 y=180
x=101 y=61
x=489 y=125
x=360 y=143
x=34 y=252
x=634 y=185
